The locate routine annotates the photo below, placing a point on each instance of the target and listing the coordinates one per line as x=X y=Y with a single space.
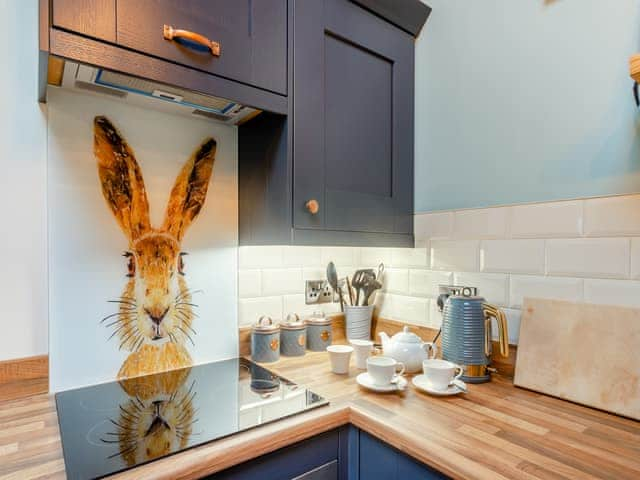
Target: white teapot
x=408 y=348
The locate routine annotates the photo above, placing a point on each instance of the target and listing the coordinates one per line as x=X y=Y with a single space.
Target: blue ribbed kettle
x=466 y=335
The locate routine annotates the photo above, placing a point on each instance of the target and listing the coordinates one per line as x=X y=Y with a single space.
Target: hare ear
x=190 y=190
x=121 y=179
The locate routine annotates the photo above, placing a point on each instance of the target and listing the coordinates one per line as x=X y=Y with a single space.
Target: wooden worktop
x=495 y=431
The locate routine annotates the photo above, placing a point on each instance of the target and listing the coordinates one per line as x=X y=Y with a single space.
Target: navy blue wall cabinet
x=349 y=136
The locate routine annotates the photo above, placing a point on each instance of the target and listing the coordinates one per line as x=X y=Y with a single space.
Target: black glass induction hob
x=115 y=426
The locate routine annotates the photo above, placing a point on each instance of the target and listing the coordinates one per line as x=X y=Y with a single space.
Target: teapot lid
x=406 y=336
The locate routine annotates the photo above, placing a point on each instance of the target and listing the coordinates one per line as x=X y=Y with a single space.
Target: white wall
x=525 y=101
x=23 y=244
x=85 y=243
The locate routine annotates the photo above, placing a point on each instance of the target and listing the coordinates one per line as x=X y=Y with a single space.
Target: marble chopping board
x=589 y=354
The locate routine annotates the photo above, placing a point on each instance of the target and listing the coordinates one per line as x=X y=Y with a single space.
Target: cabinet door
x=93 y=18
x=353 y=119
x=252 y=36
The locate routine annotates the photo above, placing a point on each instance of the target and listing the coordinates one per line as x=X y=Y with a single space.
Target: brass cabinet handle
x=170 y=33
x=312 y=206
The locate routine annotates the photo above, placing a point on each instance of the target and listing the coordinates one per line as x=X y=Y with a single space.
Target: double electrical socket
x=317 y=291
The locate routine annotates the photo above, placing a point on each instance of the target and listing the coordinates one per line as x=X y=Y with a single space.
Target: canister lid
x=265 y=325
x=292 y=322
x=318 y=318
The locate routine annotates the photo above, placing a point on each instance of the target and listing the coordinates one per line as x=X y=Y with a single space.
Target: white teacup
x=362 y=350
x=384 y=370
x=339 y=356
x=441 y=373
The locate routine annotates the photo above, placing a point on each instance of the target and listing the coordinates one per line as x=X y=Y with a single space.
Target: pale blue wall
x=525 y=100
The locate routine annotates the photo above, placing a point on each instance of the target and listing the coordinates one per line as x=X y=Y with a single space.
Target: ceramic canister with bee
x=293 y=336
x=265 y=341
x=319 y=332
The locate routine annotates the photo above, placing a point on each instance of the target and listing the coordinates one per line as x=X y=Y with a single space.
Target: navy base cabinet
x=343 y=454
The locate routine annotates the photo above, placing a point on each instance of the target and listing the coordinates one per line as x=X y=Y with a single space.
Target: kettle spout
x=385 y=339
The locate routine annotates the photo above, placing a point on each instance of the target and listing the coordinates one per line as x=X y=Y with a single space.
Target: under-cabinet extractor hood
x=150 y=94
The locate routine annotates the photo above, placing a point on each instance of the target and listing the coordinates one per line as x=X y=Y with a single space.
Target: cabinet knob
x=312 y=206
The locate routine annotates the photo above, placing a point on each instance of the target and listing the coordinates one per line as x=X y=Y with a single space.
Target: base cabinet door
x=379 y=461
x=353 y=120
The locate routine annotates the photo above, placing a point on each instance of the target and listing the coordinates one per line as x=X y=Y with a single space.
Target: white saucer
x=367 y=382
x=421 y=382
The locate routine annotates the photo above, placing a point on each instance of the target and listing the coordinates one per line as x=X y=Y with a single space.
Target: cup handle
x=431 y=349
x=459 y=374
x=401 y=365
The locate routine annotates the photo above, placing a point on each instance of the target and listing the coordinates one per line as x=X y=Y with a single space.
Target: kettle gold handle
x=490 y=312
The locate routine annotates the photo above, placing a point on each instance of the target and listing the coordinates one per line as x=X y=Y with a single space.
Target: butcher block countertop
x=496 y=431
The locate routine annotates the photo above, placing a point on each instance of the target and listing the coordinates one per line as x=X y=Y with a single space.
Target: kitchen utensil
x=384 y=370
x=293 y=336
x=407 y=347
x=350 y=291
x=380 y=272
x=362 y=350
x=466 y=334
x=421 y=382
x=339 y=355
x=358 y=322
x=441 y=373
x=265 y=340
x=332 y=278
x=359 y=281
x=584 y=353
x=371 y=286
x=319 y=332
x=365 y=380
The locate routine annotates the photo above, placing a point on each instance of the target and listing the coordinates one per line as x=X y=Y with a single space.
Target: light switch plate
x=317 y=291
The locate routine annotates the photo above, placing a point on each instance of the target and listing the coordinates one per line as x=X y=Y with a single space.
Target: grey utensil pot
x=319 y=332
x=265 y=341
x=466 y=335
x=293 y=336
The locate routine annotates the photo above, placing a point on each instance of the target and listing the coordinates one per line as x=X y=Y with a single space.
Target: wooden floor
x=496 y=431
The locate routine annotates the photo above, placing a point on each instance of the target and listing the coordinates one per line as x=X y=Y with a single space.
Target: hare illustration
x=156 y=419
x=155 y=311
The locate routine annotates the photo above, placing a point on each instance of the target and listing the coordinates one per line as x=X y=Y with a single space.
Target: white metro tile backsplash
x=578 y=250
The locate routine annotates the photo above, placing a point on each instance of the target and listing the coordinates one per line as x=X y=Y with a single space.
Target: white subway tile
x=411 y=309
x=624 y=293
x=250 y=309
x=512 y=256
x=372 y=257
x=281 y=281
x=612 y=216
x=513 y=325
x=409 y=257
x=635 y=258
x=396 y=280
x=296 y=304
x=249 y=283
x=547 y=220
x=435 y=226
x=260 y=257
x=317 y=273
x=589 y=257
x=481 y=223
x=424 y=283
x=534 y=286
x=492 y=286
x=384 y=304
x=435 y=317
x=302 y=257
x=453 y=255
x=340 y=256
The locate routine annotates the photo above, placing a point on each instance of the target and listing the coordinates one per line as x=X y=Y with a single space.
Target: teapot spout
x=384 y=339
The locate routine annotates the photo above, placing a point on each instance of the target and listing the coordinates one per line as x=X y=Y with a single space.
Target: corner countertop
x=496 y=431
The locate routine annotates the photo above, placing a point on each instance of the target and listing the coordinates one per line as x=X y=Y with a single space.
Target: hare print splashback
x=156 y=310
x=143 y=240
